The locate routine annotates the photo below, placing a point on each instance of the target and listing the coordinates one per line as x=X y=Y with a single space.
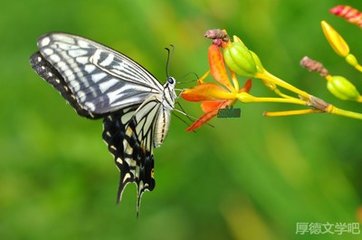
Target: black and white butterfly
x=99 y=82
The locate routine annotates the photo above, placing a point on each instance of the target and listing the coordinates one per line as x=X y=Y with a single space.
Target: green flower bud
x=259 y=66
x=342 y=88
x=239 y=59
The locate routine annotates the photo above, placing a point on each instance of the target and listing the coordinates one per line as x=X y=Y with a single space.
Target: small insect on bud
x=239 y=59
x=342 y=88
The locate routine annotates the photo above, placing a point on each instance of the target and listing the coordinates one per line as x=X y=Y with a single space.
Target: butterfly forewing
x=101 y=79
x=51 y=75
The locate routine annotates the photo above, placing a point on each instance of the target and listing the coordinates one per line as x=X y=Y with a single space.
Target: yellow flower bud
x=342 y=88
x=239 y=59
x=336 y=41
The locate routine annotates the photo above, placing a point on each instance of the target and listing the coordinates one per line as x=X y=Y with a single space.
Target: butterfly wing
x=129 y=136
x=99 y=79
x=52 y=76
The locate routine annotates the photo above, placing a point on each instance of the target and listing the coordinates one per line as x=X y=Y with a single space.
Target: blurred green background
x=247 y=178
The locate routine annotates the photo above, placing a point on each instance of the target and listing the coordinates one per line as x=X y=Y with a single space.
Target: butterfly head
x=169 y=94
x=171 y=81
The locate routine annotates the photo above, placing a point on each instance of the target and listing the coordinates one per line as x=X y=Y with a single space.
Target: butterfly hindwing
x=130 y=140
x=121 y=145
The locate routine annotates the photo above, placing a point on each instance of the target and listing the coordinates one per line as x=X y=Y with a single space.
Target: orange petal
x=205 y=92
x=208 y=116
x=208 y=106
x=202 y=120
x=247 y=86
x=217 y=66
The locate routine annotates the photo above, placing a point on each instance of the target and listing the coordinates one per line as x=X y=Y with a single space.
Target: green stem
x=265 y=75
x=291 y=112
x=247 y=98
x=334 y=110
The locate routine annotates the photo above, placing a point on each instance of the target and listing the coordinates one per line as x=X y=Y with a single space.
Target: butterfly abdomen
x=161 y=127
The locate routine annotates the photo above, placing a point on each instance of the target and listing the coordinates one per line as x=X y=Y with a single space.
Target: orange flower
x=214 y=96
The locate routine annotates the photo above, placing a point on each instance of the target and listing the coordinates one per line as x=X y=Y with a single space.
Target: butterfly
x=99 y=82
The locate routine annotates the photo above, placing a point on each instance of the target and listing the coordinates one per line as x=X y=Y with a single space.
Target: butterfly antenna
x=169 y=53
